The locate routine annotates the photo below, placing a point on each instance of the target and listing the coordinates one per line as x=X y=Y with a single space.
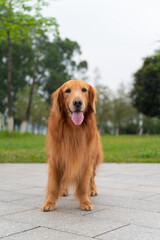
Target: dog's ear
x=57 y=100
x=92 y=98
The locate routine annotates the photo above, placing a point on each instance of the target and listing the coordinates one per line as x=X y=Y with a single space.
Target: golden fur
x=73 y=152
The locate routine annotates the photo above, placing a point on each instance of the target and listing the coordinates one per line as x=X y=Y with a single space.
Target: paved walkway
x=127 y=207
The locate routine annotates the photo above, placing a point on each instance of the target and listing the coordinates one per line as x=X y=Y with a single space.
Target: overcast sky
x=114 y=35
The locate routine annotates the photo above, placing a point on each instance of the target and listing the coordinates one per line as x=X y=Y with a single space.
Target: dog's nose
x=77 y=102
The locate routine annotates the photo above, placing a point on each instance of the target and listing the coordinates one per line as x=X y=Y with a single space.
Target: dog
x=73 y=144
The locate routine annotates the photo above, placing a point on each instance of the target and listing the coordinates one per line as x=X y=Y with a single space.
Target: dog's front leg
x=83 y=191
x=52 y=189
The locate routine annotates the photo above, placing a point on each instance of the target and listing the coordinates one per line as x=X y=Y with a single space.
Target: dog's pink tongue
x=77 y=118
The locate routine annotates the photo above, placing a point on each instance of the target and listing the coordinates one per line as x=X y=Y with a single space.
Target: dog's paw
x=65 y=193
x=87 y=206
x=93 y=193
x=48 y=207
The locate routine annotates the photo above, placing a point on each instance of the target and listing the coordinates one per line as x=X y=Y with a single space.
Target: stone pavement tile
x=120 y=179
x=23 y=167
x=124 y=193
x=45 y=233
x=127 y=203
x=20 y=174
x=125 y=178
x=9 y=208
x=31 y=201
x=150 y=189
x=41 y=191
x=34 y=181
x=88 y=225
x=64 y=205
x=72 y=207
x=8 y=227
x=36 y=200
x=135 y=216
x=6 y=196
x=33 y=191
x=128 y=194
x=153 y=198
x=132 y=232
x=152 y=180
x=24 y=174
x=146 y=182
x=9 y=186
x=28 y=181
x=101 y=182
x=128 y=169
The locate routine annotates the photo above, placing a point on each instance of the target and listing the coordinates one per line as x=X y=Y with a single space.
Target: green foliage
x=151 y=125
x=13 y=21
x=56 y=60
x=17 y=24
x=59 y=62
x=39 y=109
x=16 y=20
x=28 y=30
x=115 y=113
x=146 y=88
x=23 y=56
x=103 y=108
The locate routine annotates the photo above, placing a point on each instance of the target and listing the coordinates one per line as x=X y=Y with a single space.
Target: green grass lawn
x=31 y=148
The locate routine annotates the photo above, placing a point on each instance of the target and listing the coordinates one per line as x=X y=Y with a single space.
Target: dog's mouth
x=77 y=117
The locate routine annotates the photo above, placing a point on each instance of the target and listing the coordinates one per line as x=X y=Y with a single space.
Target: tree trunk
x=117 y=131
x=33 y=128
x=28 y=110
x=23 y=127
x=148 y=131
x=9 y=86
x=141 y=131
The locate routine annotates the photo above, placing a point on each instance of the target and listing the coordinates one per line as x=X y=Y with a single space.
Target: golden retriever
x=73 y=144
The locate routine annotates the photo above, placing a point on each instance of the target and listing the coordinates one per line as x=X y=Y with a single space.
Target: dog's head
x=73 y=99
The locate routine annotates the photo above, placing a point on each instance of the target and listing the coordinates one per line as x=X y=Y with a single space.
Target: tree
x=60 y=64
x=103 y=103
x=39 y=108
x=16 y=24
x=118 y=113
x=13 y=27
x=146 y=87
x=51 y=63
x=43 y=25
x=121 y=109
x=23 y=56
x=103 y=107
x=39 y=112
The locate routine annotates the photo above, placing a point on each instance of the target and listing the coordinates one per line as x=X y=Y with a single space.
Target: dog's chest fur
x=73 y=154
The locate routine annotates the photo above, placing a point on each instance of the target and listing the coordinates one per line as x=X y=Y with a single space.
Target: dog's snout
x=77 y=102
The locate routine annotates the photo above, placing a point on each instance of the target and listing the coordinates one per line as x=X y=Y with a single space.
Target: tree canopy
x=146 y=87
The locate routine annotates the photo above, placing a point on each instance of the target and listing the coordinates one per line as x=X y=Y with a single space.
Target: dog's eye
x=84 y=90
x=68 y=90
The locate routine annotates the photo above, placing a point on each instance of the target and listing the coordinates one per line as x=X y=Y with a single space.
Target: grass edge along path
x=28 y=148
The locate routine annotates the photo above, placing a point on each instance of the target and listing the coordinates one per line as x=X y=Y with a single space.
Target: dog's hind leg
x=93 y=187
x=64 y=191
